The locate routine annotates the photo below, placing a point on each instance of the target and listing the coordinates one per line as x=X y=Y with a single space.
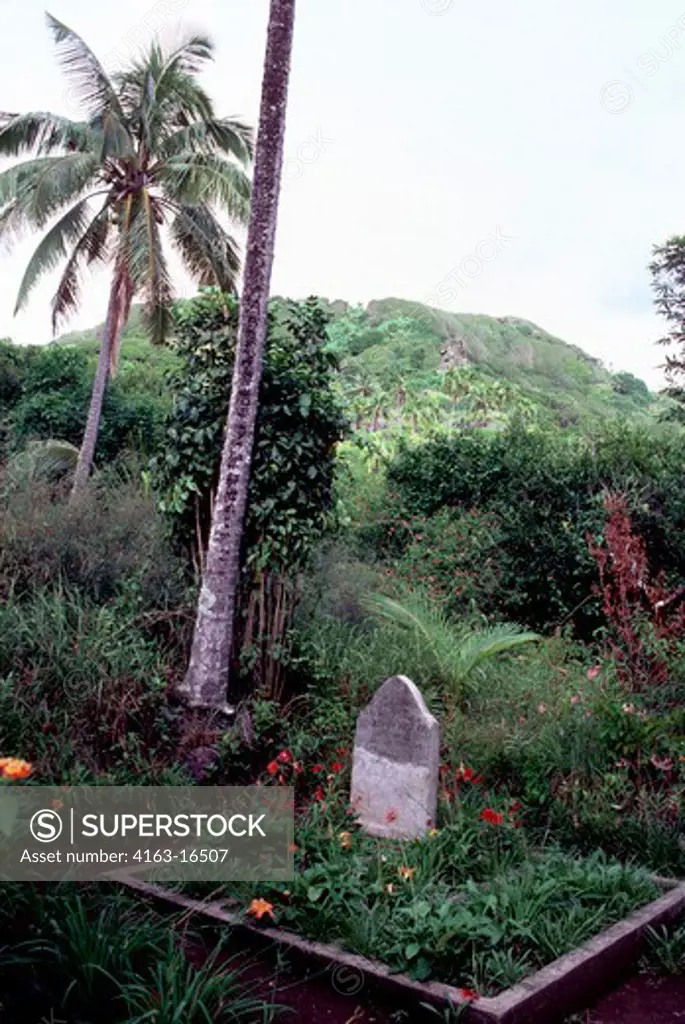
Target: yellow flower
x=432 y=833
x=345 y=839
x=258 y=908
x=15 y=768
x=406 y=874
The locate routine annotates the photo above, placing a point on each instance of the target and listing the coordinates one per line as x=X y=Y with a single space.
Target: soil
x=642 y=1000
x=318 y=995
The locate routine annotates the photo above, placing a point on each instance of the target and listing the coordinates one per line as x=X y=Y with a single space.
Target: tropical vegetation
x=362 y=492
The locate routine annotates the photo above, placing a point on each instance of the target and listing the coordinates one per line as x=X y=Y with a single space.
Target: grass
x=95 y=955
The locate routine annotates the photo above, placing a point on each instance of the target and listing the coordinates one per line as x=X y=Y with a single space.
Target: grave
x=396 y=763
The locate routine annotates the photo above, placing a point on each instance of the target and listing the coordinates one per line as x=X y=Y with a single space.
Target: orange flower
x=406 y=874
x=15 y=768
x=345 y=840
x=258 y=908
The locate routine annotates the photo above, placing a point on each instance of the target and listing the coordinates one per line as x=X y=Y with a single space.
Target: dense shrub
x=112 y=538
x=545 y=490
x=298 y=425
x=12 y=369
x=54 y=399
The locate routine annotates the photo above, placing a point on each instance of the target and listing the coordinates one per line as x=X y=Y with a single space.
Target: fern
x=455 y=650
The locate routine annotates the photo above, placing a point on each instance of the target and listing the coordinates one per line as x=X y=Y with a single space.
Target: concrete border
x=567 y=984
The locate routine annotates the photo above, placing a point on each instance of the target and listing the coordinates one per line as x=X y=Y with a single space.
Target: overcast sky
x=418 y=130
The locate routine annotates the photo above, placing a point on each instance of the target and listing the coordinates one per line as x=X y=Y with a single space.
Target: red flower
x=297 y=766
x=465 y=773
x=468 y=993
x=285 y=757
x=341 y=750
x=317 y=768
x=337 y=766
x=318 y=793
x=391 y=816
x=516 y=806
x=478 y=779
x=492 y=817
x=273 y=768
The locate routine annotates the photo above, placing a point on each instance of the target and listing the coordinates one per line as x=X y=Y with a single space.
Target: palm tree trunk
x=90 y=434
x=207 y=679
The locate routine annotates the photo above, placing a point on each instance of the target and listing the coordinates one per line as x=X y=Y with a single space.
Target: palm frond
x=209 y=253
x=123 y=297
x=43 y=133
x=41 y=460
x=206 y=178
x=488 y=643
x=148 y=269
x=225 y=135
x=90 y=248
x=454 y=650
x=89 y=78
x=188 y=56
x=38 y=189
x=158 y=101
x=52 y=248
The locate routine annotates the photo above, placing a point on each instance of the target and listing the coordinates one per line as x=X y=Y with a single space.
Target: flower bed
x=477 y=904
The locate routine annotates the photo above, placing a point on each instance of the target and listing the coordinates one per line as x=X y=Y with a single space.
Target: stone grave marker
x=396 y=763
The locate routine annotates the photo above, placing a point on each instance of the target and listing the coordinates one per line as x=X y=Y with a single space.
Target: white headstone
x=396 y=763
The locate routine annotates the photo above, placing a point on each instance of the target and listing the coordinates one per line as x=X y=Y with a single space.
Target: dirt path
x=642 y=1000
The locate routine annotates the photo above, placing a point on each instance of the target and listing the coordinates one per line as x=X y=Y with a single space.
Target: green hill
x=395 y=345
x=395 y=341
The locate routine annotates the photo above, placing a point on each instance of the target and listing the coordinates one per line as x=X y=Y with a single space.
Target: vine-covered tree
x=668 y=283
x=206 y=681
x=149 y=155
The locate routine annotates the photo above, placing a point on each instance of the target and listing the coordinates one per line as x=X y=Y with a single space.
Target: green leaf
x=305 y=404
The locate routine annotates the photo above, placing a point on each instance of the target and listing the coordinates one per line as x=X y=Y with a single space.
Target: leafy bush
x=12 y=371
x=545 y=491
x=298 y=425
x=54 y=400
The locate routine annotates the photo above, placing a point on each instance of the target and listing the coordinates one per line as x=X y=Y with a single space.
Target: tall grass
x=95 y=955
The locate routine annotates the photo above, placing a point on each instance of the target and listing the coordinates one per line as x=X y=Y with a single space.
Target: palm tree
x=149 y=155
x=207 y=678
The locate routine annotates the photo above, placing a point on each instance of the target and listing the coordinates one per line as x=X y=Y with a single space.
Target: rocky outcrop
x=452 y=353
